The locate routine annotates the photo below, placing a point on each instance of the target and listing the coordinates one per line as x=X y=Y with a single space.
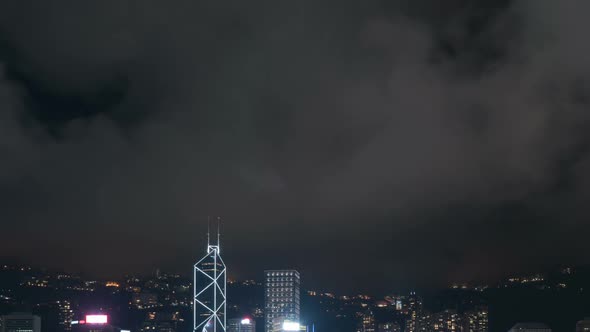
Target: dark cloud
x=428 y=142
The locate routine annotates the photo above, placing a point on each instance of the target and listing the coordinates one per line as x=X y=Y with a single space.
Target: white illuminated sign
x=96 y=319
x=245 y=321
x=290 y=326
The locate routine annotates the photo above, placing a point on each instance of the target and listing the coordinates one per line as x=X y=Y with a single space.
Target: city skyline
x=554 y=298
x=514 y=278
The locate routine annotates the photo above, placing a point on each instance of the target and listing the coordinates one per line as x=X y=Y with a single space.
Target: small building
x=18 y=322
x=530 y=327
x=583 y=325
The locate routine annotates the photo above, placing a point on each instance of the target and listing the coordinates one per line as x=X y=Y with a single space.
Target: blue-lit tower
x=210 y=279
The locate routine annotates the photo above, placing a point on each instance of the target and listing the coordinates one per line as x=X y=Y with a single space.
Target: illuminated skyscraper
x=65 y=315
x=414 y=312
x=281 y=296
x=210 y=279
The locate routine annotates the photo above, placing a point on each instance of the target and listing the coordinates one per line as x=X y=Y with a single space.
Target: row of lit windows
x=269 y=298
x=281 y=308
x=277 y=295
x=280 y=279
x=269 y=318
x=281 y=289
x=279 y=273
x=279 y=284
x=275 y=308
x=270 y=295
x=281 y=311
x=272 y=307
x=281 y=300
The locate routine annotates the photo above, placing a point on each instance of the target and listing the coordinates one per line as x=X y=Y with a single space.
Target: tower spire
x=218 y=231
x=208 y=231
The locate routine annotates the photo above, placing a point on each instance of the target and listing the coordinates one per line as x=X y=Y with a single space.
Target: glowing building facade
x=286 y=325
x=210 y=280
x=241 y=325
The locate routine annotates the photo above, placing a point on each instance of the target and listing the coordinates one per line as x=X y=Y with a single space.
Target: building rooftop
x=530 y=325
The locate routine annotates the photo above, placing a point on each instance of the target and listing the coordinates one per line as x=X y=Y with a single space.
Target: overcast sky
x=374 y=145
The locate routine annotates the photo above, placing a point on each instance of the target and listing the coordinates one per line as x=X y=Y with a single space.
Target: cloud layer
x=418 y=138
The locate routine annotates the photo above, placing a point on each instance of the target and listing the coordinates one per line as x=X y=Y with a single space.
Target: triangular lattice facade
x=210 y=280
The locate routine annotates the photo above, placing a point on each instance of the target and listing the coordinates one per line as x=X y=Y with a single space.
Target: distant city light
x=246 y=321
x=96 y=319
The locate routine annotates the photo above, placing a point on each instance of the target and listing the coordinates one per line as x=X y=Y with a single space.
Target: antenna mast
x=208 y=232
x=218 y=231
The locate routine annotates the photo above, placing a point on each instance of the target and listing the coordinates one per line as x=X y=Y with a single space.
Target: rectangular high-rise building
x=281 y=296
x=414 y=312
x=19 y=322
x=65 y=315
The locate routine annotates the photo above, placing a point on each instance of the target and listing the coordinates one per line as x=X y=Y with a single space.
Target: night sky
x=373 y=145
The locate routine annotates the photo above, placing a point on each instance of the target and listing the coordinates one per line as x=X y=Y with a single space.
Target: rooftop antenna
x=208 y=231
x=218 y=230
